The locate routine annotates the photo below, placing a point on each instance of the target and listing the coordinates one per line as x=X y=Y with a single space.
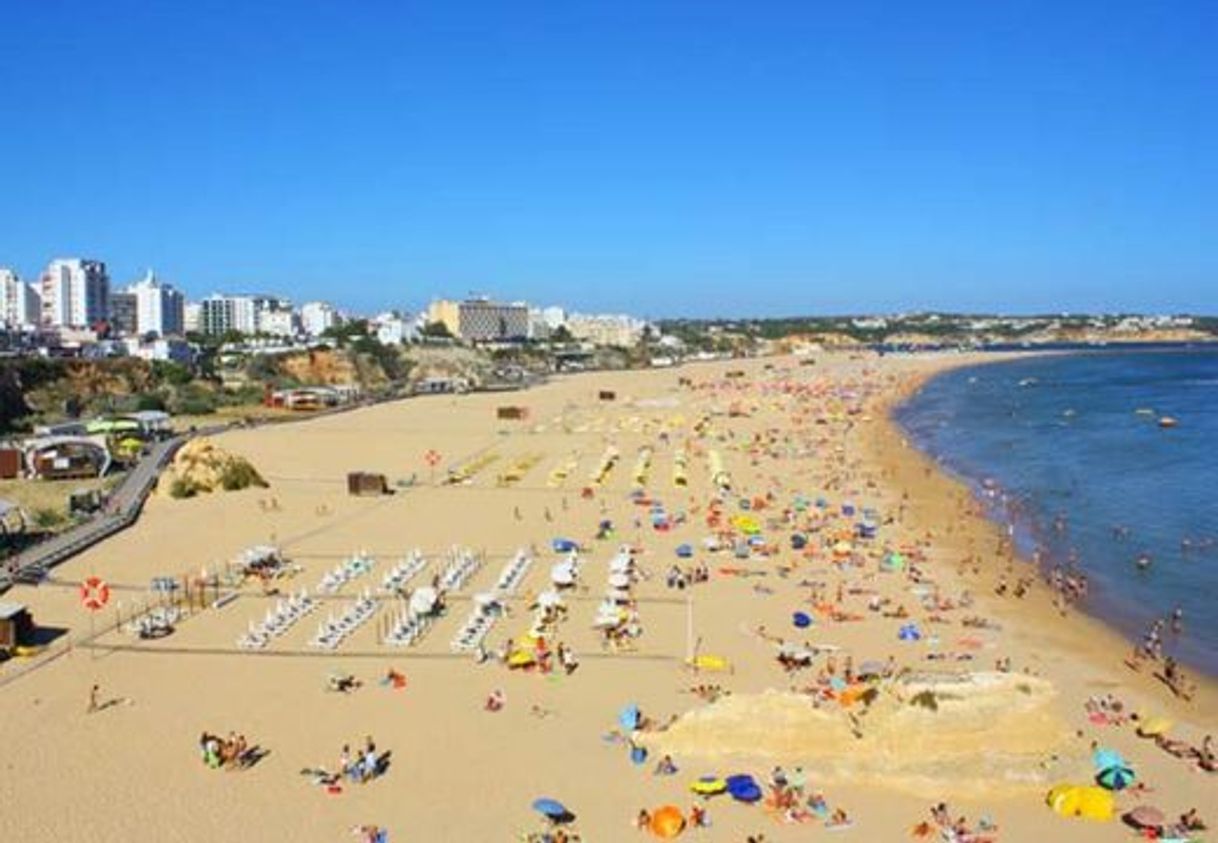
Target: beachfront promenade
x=122 y=509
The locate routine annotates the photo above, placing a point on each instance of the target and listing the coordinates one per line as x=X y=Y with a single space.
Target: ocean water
x=1055 y=446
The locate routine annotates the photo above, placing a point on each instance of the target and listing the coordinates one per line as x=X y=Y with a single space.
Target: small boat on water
x=1144 y=411
x=1028 y=382
x=1168 y=421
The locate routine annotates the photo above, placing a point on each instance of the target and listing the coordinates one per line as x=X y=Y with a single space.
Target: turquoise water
x=1082 y=475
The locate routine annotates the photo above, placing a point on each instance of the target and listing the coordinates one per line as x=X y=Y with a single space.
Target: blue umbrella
x=563 y=545
x=801 y=620
x=909 y=632
x=743 y=788
x=629 y=717
x=1115 y=778
x=551 y=808
x=1103 y=758
x=685 y=551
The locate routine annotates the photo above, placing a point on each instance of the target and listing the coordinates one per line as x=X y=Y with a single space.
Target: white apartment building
x=617 y=330
x=278 y=323
x=317 y=317
x=192 y=316
x=159 y=308
x=220 y=314
x=75 y=293
x=395 y=329
x=20 y=303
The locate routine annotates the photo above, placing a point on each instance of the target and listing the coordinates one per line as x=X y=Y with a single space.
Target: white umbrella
x=423 y=600
x=549 y=599
x=619 y=580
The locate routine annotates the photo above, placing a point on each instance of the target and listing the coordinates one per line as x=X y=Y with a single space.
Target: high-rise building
x=481 y=320
x=20 y=303
x=317 y=317
x=75 y=293
x=160 y=309
x=221 y=314
x=191 y=317
x=124 y=310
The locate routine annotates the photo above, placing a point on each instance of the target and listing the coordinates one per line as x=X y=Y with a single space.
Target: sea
x=1069 y=451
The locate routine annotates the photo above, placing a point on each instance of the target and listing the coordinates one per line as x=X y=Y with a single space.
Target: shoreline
x=1083 y=635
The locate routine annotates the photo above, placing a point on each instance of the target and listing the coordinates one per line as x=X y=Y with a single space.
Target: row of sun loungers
x=403 y=572
x=331 y=633
x=514 y=572
x=277 y=621
x=343 y=573
x=407 y=628
x=457 y=572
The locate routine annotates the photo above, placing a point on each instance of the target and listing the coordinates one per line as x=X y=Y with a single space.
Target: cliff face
x=34 y=386
x=320 y=368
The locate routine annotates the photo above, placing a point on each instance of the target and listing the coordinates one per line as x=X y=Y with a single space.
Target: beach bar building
x=16 y=626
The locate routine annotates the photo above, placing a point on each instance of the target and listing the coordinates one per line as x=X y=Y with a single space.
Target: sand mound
x=201 y=466
x=969 y=732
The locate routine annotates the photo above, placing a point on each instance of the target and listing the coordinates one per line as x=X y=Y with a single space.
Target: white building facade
x=159 y=308
x=317 y=317
x=20 y=303
x=220 y=314
x=75 y=293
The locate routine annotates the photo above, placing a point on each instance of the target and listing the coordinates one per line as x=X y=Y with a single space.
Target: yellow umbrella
x=520 y=658
x=1087 y=801
x=709 y=662
x=1154 y=727
x=708 y=786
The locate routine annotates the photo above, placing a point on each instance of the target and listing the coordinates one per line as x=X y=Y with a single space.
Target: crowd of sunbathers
x=231 y=753
x=955 y=830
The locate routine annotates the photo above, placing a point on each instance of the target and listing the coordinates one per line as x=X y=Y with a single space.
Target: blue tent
x=685 y=551
x=743 y=788
x=801 y=620
x=629 y=717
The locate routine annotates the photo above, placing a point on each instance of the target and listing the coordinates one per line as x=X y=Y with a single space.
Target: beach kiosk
x=16 y=627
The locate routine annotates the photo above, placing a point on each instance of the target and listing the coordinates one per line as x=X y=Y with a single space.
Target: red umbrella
x=1145 y=816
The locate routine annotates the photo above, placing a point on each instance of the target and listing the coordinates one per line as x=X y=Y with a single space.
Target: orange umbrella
x=667 y=822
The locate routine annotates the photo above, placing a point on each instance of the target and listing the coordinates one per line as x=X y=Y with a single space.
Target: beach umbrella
x=521 y=658
x=1154 y=726
x=708 y=786
x=563 y=545
x=638 y=754
x=423 y=600
x=684 y=551
x=629 y=717
x=667 y=821
x=1145 y=816
x=1115 y=778
x=801 y=620
x=743 y=788
x=552 y=809
x=870 y=669
x=1088 y=802
x=909 y=632
x=619 y=580
x=562 y=574
x=1103 y=758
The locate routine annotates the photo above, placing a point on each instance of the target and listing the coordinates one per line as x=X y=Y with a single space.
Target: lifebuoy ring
x=94 y=593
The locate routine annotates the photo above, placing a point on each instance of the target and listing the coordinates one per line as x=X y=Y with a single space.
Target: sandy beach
x=806 y=442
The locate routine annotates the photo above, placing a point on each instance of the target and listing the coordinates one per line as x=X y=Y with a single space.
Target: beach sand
x=132 y=771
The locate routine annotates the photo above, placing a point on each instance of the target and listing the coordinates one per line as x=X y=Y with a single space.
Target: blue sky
x=665 y=158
